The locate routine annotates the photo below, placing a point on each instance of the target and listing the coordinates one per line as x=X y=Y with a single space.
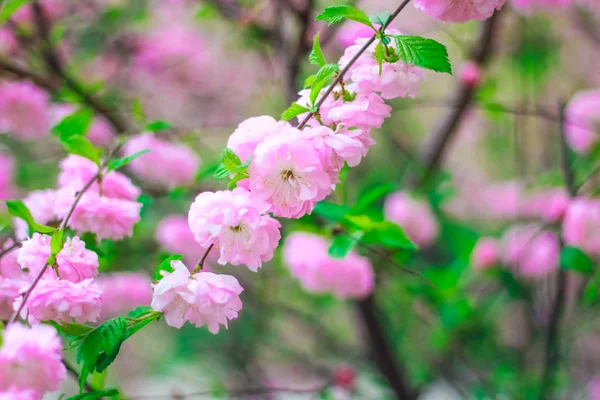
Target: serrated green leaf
x=155 y=126
x=423 y=52
x=335 y=14
x=56 y=242
x=316 y=55
x=326 y=72
x=95 y=395
x=100 y=347
x=380 y=19
x=230 y=160
x=81 y=146
x=221 y=173
x=572 y=258
x=139 y=312
x=293 y=111
x=308 y=81
x=166 y=266
x=121 y=162
x=9 y=8
x=76 y=124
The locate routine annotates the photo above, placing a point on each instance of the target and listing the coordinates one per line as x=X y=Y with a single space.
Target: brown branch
x=20 y=72
x=463 y=96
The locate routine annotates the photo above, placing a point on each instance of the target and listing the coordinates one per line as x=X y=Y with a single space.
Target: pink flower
x=414 y=216
x=8 y=42
x=486 y=253
x=24 y=110
x=77 y=171
x=307 y=257
x=470 y=74
x=41 y=204
x=108 y=218
x=364 y=111
x=62 y=300
x=174 y=235
x=9 y=266
x=531 y=251
x=581 y=225
x=393 y=80
x=31 y=359
x=9 y=292
x=582 y=118
x=167 y=164
x=204 y=298
x=595 y=389
x=123 y=292
x=18 y=394
x=287 y=172
x=51 y=8
x=459 y=10
x=549 y=205
x=351 y=31
x=237 y=224
x=75 y=263
x=251 y=132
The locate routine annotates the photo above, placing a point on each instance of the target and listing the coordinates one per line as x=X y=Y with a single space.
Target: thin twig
x=344 y=71
x=203 y=259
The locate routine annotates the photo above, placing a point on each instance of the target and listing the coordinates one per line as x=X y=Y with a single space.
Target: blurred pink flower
x=251 y=132
x=24 y=110
x=414 y=216
x=470 y=74
x=9 y=267
x=549 y=205
x=62 y=301
x=8 y=42
x=18 y=394
x=74 y=262
x=9 y=292
x=167 y=164
x=486 y=253
x=459 y=10
x=202 y=299
x=237 y=225
x=582 y=119
x=174 y=235
x=351 y=31
x=41 y=204
x=53 y=9
x=595 y=389
x=531 y=251
x=123 y=292
x=581 y=225
x=307 y=257
x=287 y=173
x=31 y=352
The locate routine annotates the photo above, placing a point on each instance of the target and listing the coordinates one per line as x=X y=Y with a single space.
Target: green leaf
x=293 y=111
x=121 y=162
x=75 y=329
x=380 y=55
x=9 y=7
x=572 y=258
x=100 y=347
x=316 y=55
x=82 y=147
x=232 y=184
x=95 y=395
x=342 y=244
x=333 y=212
x=139 y=312
x=423 y=52
x=230 y=160
x=369 y=198
x=380 y=19
x=76 y=124
x=335 y=14
x=221 y=173
x=18 y=209
x=155 y=126
x=56 y=242
x=390 y=235
x=325 y=73
x=137 y=110
x=166 y=266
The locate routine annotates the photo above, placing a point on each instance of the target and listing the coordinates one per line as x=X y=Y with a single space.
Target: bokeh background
x=205 y=66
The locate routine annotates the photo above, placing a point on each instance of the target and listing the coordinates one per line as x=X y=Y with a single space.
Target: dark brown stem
x=344 y=71
x=20 y=72
x=203 y=259
x=463 y=96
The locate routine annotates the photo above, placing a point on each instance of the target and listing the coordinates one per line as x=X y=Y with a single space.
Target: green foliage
x=380 y=55
x=156 y=126
x=335 y=14
x=118 y=163
x=572 y=258
x=95 y=395
x=166 y=266
x=9 y=7
x=321 y=78
x=232 y=167
x=76 y=124
x=342 y=244
x=18 y=209
x=293 y=111
x=81 y=146
x=381 y=18
x=423 y=52
x=316 y=55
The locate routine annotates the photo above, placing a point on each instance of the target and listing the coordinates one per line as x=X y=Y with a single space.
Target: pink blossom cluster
x=307 y=257
x=167 y=164
x=202 y=298
x=414 y=215
x=30 y=362
x=24 y=110
x=582 y=120
x=460 y=10
x=123 y=292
